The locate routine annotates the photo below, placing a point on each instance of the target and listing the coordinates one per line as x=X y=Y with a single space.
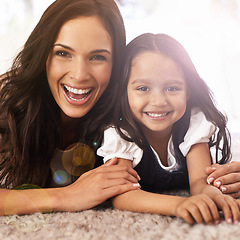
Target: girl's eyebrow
x=139 y=80
x=92 y=52
x=146 y=81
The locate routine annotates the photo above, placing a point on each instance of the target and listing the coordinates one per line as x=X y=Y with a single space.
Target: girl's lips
x=76 y=96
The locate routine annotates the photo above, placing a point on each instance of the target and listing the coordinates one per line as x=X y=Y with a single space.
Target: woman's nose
x=79 y=70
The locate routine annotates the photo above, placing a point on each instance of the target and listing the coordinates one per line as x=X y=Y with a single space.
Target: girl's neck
x=159 y=142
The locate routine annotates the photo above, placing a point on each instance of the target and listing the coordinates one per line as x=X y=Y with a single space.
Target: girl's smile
x=157 y=115
x=79 y=65
x=157 y=92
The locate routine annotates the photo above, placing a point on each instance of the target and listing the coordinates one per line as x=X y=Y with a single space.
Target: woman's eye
x=143 y=89
x=62 y=53
x=98 y=57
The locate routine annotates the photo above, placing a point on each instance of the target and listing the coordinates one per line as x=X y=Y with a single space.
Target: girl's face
x=80 y=64
x=157 y=92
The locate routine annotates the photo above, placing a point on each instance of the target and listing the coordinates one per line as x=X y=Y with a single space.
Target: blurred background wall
x=208 y=29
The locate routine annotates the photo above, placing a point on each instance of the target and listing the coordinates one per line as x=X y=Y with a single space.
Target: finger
x=234 y=195
x=234 y=209
x=186 y=216
x=119 y=189
x=209 y=215
x=227 y=179
x=213 y=211
x=223 y=205
x=230 y=188
x=111 y=162
x=222 y=170
x=108 y=183
x=121 y=175
x=120 y=168
x=197 y=212
x=210 y=170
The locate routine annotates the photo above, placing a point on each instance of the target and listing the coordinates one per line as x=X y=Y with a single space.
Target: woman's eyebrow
x=92 y=52
x=63 y=46
x=101 y=51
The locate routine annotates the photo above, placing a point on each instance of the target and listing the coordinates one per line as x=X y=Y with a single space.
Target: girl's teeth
x=157 y=115
x=77 y=91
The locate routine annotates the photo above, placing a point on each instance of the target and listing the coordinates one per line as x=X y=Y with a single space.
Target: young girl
x=166 y=123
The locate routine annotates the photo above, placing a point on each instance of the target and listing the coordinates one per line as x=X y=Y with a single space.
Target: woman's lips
x=76 y=94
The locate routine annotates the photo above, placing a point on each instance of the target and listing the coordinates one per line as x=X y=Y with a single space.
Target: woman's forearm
x=27 y=201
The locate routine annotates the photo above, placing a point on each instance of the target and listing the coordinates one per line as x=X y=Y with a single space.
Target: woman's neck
x=70 y=133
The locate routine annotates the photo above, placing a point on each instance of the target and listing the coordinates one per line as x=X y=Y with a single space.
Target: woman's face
x=79 y=65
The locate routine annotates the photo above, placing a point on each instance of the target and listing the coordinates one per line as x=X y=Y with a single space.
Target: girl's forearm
x=142 y=201
x=200 y=186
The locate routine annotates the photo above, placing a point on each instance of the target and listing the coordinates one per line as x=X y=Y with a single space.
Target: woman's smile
x=76 y=96
x=80 y=64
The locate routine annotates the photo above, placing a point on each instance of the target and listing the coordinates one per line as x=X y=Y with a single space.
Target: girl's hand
x=98 y=185
x=198 y=208
x=225 y=177
x=229 y=206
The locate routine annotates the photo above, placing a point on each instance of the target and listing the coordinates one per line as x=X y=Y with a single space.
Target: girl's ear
x=188 y=93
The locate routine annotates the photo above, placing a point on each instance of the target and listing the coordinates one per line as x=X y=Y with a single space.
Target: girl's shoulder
x=114 y=145
x=200 y=130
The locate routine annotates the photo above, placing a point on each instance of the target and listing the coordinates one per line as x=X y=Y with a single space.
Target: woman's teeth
x=77 y=91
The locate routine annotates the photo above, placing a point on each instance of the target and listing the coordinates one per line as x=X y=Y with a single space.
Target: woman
x=61 y=90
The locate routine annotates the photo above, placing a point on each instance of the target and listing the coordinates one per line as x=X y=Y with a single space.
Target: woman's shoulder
x=3 y=120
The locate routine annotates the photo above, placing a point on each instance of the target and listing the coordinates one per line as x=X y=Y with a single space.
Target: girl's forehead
x=155 y=66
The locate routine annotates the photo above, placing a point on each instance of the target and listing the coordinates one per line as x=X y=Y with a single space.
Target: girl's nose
x=158 y=99
x=79 y=70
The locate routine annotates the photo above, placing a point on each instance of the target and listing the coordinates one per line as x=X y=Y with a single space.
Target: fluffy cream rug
x=106 y=223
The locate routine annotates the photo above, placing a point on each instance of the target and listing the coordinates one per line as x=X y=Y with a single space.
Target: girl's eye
x=98 y=58
x=62 y=53
x=143 y=89
x=172 y=89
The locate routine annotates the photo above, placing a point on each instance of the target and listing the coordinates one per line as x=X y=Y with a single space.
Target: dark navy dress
x=155 y=179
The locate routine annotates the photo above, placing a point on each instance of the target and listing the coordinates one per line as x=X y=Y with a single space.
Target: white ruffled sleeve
x=115 y=146
x=199 y=131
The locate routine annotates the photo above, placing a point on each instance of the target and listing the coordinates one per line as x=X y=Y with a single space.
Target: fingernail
x=216 y=222
x=236 y=221
x=229 y=220
x=223 y=189
x=218 y=184
x=210 y=180
x=136 y=185
x=138 y=177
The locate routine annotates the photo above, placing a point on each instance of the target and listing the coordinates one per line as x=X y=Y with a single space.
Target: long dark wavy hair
x=30 y=131
x=200 y=96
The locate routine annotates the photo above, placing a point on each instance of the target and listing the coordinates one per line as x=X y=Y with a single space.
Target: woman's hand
x=225 y=177
x=98 y=185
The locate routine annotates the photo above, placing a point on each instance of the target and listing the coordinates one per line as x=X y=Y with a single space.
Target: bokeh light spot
x=60 y=177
